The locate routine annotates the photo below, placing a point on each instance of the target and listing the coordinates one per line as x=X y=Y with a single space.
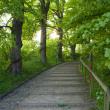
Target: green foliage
x=88 y=24
x=14 y=7
x=31 y=64
x=52 y=51
x=5 y=46
x=84 y=22
x=30 y=26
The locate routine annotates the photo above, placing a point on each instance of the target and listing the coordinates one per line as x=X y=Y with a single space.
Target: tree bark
x=43 y=22
x=15 y=55
x=73 y=51
x=59 y=13
x=60 y=44
x=43 y=42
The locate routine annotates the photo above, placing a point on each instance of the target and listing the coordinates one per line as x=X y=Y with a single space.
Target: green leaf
x=107 y=53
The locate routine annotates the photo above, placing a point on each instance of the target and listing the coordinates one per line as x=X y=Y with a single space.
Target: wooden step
x=57 y=106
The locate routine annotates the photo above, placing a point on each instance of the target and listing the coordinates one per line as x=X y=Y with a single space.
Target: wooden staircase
x=60 y=88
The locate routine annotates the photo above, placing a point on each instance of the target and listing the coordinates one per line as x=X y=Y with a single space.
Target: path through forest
x=59 y=88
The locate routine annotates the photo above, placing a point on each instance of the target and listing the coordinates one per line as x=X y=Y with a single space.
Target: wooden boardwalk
x=60 y=88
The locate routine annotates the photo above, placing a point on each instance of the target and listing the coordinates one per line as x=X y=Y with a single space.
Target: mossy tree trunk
x=16 y=31
x=15 y=55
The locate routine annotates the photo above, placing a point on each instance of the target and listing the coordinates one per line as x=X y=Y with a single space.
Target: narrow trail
x=59 y=88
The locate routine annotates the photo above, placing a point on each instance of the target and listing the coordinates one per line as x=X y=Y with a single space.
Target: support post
x=106 y=101
x=82 y=68
x=90 y=75
x=85 y=74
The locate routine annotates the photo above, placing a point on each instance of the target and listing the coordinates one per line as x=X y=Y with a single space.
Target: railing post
x=85 y=73
x=106 y=101
x=82 y=68
x=91 y=84
x=91 y=65
x=90 y=75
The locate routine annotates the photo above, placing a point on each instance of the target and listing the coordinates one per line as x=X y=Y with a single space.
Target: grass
x=9 y=81
x=32 y=66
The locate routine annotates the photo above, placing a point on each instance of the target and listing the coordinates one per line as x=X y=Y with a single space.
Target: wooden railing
x=93 y=76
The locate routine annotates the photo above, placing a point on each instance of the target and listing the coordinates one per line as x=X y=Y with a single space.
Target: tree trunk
x=15 y=55
x=43 y=41
x=44 y=4
x=60 y=44
x=59 y=13
x=73 y=52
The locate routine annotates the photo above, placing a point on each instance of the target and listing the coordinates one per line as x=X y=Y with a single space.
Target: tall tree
x=59 y=13
x=15 y=56
x=17 y=23
x=70 y=42
x=17 y=14
x=44 y=5
x=17 y=10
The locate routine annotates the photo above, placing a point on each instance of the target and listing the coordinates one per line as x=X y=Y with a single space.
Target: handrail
x=104 y=87
x=101 y=84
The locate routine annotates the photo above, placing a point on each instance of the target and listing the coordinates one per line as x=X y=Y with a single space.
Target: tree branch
x=43 y=7
x=47 y=5
x=53 y=27
x=1 y=27
x=9 y=21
